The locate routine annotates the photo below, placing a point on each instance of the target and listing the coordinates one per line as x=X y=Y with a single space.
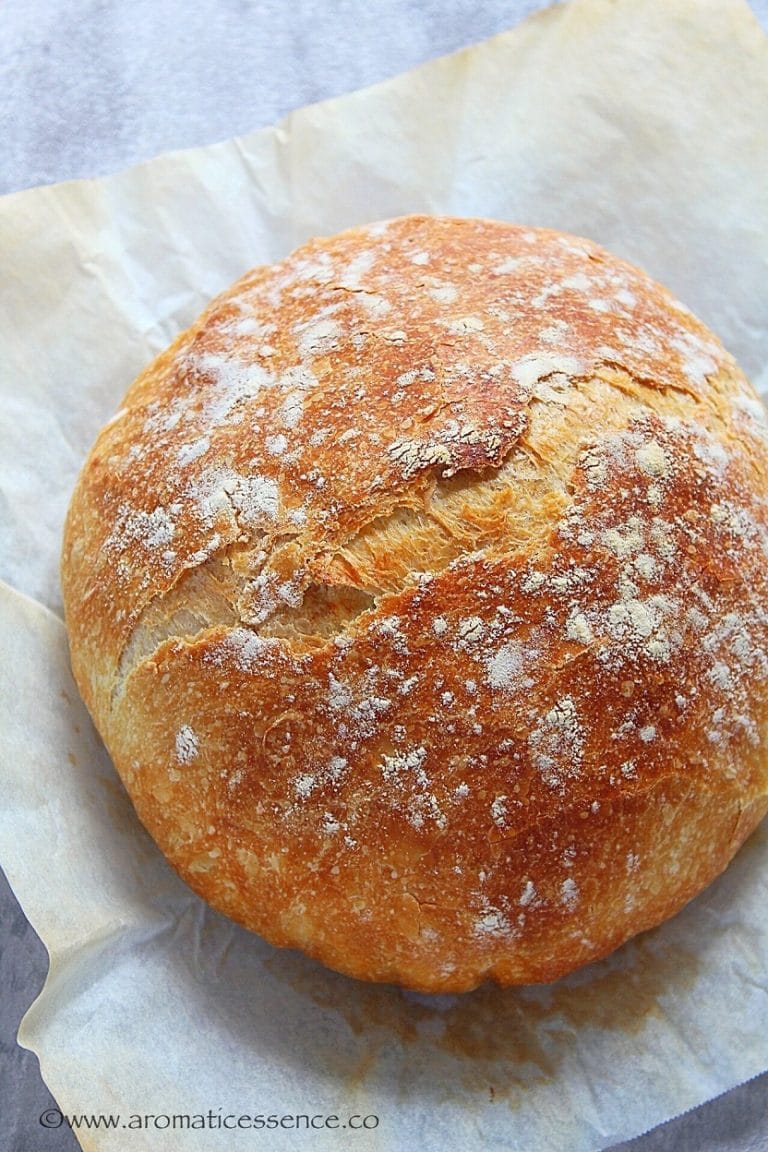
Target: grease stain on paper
x=499 y=1041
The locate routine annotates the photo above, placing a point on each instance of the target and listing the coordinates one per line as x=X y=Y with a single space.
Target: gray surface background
x=89 y=87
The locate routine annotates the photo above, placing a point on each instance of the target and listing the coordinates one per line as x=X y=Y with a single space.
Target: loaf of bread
x=419 y=592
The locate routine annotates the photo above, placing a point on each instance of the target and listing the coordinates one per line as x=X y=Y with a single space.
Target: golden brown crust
x=420 y=593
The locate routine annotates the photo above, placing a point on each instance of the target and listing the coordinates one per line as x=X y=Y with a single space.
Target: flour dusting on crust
x=421 y=593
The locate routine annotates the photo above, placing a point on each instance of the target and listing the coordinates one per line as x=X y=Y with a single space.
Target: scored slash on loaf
x=419 y=592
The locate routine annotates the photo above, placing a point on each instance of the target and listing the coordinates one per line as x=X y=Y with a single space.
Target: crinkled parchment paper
x=641 y=125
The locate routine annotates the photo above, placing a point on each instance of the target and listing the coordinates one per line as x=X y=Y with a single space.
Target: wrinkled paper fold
x=599 y=117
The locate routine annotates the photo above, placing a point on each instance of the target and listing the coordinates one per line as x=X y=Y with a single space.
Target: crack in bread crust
x=443 y=518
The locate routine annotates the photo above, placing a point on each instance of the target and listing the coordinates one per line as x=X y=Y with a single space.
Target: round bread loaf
x=420 y=594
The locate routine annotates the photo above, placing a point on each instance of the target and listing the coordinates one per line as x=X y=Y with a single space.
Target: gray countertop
x=89 y=87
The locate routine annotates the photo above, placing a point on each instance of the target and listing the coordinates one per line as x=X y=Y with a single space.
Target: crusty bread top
x=433 y=534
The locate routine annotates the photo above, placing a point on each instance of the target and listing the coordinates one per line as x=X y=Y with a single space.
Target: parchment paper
x=643 y=126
